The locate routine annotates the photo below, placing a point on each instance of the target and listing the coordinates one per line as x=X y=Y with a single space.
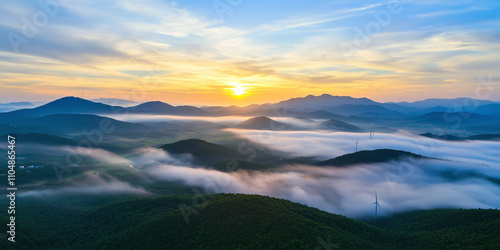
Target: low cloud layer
x=350 y=191
x=467 y=177
x=223 y=120
x=229 y=121
x=326 y=145
x=94 y=185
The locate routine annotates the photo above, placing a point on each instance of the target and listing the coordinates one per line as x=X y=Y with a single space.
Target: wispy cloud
x=448 y=12
x=94 y=185
x=320 y=19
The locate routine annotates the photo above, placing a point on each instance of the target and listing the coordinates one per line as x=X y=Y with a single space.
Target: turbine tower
x=376 y=205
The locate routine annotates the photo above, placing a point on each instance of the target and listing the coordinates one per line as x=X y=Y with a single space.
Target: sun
x=238 y=90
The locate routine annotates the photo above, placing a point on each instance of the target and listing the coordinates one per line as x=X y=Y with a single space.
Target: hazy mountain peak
x=340 y=126
x=448 y=103
x=153 y=106
x=72 y=102
x=261 y=122
x=18 y=104
x=324 y=100
x=70 y=98
x=115 y=102
x=155 y=103
x=65 y=105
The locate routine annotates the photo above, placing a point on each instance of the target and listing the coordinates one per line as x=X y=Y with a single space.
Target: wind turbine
x=376 y=205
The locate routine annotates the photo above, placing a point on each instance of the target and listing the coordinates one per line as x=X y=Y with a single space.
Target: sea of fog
x=465 y=174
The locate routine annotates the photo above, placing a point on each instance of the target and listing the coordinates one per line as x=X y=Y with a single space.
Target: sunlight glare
x=238 y=90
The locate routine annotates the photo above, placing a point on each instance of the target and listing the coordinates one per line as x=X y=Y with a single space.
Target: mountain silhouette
x=152 y=107
x=66 y=105
x=262 y=122
x=448 y=103
x=368 y=156
x=158 y=107
x=76 y=123
x=325 y=100
x=75 y=105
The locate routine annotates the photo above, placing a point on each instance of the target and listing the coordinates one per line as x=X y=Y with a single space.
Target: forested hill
x=368 y=156
x=236 y=221
x=445 y=229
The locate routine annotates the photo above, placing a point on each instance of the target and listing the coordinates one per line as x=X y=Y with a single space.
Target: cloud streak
x=93 y=185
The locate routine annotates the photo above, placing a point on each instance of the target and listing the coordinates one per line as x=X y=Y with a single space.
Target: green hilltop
x=237 y=221
x=368 y=156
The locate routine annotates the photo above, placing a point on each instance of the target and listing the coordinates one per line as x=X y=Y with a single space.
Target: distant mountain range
x=75 y=105
x=5 y=107
x=164 y=108
x=66 y=105
x=325 y=100
x=337 y=105
x=447 y=103
x=354 y=113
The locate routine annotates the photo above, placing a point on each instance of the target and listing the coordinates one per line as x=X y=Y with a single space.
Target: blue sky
x=197 y=52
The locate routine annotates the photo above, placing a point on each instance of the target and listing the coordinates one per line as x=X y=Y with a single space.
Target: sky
x=239 y=52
